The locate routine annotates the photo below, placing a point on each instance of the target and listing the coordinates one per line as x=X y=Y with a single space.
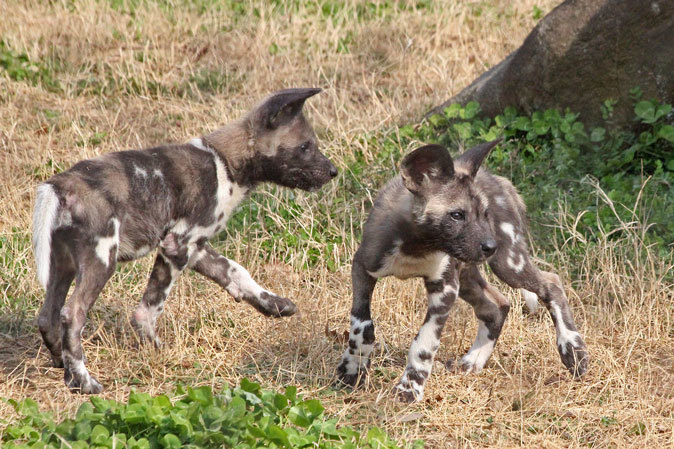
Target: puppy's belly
x=430 y=266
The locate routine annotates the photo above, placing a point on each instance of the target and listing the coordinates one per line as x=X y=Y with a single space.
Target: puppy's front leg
x=238 y=283
x=164 y=274
x=442 y=293
x=355 y=361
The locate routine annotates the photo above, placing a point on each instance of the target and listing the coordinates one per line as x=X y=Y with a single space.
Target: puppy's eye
x=305 y=146
x=457 y=215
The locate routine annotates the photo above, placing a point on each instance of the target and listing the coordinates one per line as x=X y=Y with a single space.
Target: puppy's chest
x=228 y=196
x=403 y=266
x=206 y=223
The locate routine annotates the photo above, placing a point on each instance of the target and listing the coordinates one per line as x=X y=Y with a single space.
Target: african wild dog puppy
x=120 y=206
x=438 y=220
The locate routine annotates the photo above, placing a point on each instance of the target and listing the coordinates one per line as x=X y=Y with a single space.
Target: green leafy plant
x=243 y=417
x=19 y=67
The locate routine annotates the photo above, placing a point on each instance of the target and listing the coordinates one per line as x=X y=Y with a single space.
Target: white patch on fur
x=437 y=299
x=406 y=385
x=401 y=266
x=509 y=230
x=197 y=142
x=531 y=300
x=564 y=334
x=479 y=353
x=78 y=367
x=44 y=222
x=180 y=227
x=158 y=173
x=461 y=169
x=361 y=356
x=500 y=200
x=241 y=283
x=516 y=266
x=174 y=273
x=128 y=250
x=225 y=202
x=140 y=171
x=425 y=340
x=104 y=244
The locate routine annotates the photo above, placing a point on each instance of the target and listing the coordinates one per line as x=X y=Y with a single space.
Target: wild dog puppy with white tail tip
x=120 y=206
x=438 y=219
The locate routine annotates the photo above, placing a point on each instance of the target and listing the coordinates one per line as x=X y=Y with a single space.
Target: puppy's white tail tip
x=531 y=300
x=44 y=217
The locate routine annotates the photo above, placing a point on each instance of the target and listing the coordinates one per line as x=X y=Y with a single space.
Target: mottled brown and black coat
x=120 y=206
x=439 y=219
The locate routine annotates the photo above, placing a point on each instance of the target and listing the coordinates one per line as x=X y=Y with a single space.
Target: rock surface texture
x=581 y=53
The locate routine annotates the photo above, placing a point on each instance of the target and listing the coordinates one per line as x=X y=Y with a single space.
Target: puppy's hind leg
x=90 y=281
x=238 y=283
x=548 y=287
x=62 y=273
x=95 y=261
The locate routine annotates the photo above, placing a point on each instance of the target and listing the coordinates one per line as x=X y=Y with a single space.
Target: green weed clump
x=19 y=67
x=241 y=417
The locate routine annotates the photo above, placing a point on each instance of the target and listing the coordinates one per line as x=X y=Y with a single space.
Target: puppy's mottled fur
x=438 y=220
x=120 y=206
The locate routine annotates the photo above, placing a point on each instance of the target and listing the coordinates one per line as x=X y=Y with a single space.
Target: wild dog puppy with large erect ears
x=120 y=206
x=438 y=220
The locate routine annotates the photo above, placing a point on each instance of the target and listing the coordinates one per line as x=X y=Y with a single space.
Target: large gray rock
x=580 y=54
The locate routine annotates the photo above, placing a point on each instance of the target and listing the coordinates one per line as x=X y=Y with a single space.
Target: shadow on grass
x=19 y=343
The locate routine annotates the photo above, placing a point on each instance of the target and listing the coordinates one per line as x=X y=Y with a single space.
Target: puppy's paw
x=408 y=392
x=468 y=365
x=575 y=357
x=142 y=324
x=82 y=383
x=350 y=378
x=147 y=338
x=462 y=366
x=275 y=306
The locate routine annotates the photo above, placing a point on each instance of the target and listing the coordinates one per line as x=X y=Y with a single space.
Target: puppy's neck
x=234 y=143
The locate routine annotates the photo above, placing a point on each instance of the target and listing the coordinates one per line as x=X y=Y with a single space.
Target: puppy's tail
x=44 y=218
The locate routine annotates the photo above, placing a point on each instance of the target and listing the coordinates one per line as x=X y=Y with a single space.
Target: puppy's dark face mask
x=449 y=211
x=286 y=148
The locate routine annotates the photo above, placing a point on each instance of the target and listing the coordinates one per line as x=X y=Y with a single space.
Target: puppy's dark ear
x=473 y=158
x=282 y=106
x=425 y=166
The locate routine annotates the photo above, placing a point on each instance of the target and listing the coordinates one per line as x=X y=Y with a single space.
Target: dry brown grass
x=397 y=66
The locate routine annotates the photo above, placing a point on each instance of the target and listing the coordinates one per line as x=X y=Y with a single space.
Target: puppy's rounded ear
x=473 y=158
x=281 y=107
x=426 y=166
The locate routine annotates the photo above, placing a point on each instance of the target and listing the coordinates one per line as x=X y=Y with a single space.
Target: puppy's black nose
x=333 y=171
x=488 y=247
